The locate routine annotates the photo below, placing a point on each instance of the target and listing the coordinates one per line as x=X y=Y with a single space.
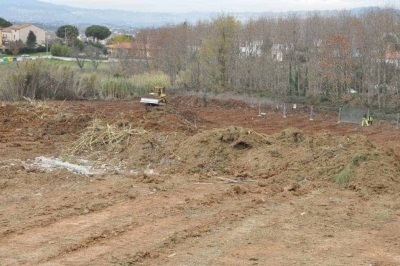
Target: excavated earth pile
x=194 y=183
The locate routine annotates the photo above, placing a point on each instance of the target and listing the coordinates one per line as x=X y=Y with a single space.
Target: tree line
x=331 y=58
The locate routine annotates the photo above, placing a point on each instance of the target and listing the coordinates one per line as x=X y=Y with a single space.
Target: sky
x=182 y=6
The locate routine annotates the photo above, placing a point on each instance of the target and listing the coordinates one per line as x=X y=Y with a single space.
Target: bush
x=37 y=79
x=100 y=46
x=41 y=49
x=55 y=49
x=122 y=88
x=66 y=50
x=87 y=86
x=27 y=50
x=60 y=50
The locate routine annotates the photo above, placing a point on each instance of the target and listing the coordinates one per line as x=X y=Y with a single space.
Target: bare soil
x=196 y=185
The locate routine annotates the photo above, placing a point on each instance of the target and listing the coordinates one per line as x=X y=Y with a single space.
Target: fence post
x=311 y=113
x=284 y=110
x=340 y=110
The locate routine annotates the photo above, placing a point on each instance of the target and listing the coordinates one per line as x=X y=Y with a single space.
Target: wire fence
x=350 y=115
x=266 y=105
x=345 y=114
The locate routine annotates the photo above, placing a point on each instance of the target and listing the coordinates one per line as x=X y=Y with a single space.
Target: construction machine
x=156 y=96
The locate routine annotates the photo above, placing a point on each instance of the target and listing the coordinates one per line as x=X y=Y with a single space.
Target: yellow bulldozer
x=156 y=96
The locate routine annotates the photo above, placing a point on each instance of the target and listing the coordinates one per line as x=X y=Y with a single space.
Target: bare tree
x=94 y=55
x=79 y=57
x=14 y=47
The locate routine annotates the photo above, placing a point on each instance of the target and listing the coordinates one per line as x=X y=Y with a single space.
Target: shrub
x=37 y=79
x=27 y=50
x=100 y=46
x=41 y=49
x=60 y=50
x=87 y=86
x=55 y=49
x=122 y=88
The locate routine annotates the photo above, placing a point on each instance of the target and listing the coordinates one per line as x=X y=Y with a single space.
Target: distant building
x=83 y=38
x=253 y=48
x=20 y=33
x=392 y=56
x=279 y=50
x=133 y=49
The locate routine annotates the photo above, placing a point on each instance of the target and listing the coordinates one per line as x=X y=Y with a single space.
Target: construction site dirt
x=195 y=183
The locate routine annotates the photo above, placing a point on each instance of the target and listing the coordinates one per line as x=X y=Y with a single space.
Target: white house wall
x=40 y=34
x=7 y=36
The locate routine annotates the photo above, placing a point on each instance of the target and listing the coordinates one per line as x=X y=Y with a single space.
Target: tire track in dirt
x=232 y=209
x=72 y=234
x=291 y=233
x=156 y=235
x=60 y=205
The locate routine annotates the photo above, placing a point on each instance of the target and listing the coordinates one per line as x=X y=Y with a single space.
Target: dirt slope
x=186 y=184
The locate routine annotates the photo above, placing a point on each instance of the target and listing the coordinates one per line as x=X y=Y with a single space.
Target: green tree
x=217 y=51
x=5 y=23
x=120 y=39
x=31 y=39
x=78 y=44
x=58 y=49
x=67 y=32
x=98 y=32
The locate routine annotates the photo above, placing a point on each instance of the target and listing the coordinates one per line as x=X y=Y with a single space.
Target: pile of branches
x=108 y=137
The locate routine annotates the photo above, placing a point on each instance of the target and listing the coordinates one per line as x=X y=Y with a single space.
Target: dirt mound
x=214 y=150
x=290 y=156
x=167 y=119
x=198 y=101
x=174 y=143
x=38 y=119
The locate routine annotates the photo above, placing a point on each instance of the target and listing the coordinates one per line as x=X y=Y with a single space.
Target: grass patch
x=40 y=54
x=344 y=177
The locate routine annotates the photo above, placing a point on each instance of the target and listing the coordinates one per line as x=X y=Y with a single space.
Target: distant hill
x=50 y=15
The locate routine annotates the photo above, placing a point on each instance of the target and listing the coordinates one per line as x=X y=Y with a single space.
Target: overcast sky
x=224 y=5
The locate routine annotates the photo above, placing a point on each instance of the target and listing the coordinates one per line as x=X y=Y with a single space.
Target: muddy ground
x=185 y=184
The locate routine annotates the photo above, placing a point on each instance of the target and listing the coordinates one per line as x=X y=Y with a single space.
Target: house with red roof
x=135 y=50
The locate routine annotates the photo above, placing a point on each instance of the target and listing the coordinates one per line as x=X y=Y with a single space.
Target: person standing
x=364 y=121
x=370 y=119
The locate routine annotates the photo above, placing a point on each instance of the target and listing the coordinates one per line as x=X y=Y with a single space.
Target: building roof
x=16 y=27
x=392 y=55
x=127 y=45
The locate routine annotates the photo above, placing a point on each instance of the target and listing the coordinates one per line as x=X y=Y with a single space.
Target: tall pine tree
x=31 y=40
